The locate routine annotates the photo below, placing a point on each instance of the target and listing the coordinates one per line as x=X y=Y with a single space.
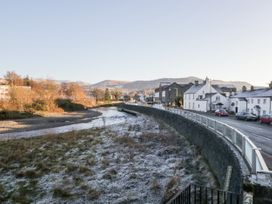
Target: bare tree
x=13 y=79
x=116 y=93
x=98 y=94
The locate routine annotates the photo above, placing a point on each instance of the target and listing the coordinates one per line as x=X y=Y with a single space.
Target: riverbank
x=136 y=161
x=48 y=120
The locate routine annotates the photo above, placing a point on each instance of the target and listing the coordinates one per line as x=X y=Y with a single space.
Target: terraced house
x=256 y=101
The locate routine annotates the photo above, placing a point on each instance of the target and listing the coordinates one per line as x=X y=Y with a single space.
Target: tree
x=116 y=93
x=179 y=101
x=13 y=79
x=75 y=92
x=98 y=94
x=107 y=96
x=27 y=81
x=19 y=97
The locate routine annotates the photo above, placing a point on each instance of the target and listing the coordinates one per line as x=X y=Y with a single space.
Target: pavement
x=260 y=134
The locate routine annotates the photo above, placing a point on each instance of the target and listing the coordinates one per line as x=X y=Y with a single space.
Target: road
x=260 y=134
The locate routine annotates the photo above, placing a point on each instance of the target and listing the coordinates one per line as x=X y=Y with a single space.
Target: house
x=256 y=101
x=168 y=94
x=207 y=97
x=4 y=92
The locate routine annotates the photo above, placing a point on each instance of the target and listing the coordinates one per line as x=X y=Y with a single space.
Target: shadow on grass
x=7 y=115
x=69 y=106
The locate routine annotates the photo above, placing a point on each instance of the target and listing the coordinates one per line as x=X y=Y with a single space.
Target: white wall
x=264 y=103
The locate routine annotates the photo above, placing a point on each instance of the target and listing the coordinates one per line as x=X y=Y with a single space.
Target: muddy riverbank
x=47 y=121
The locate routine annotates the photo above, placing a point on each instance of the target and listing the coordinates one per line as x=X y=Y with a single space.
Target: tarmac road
x=260 y=134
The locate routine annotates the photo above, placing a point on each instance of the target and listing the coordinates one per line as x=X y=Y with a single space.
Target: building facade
x=4 y=92
x=207 y=97
x=168 y=94
x=258 y=101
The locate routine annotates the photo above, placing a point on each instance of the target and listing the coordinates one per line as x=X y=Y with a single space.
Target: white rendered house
x=205 y=97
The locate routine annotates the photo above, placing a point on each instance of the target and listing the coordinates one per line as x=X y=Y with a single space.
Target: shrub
x=39 y=105
x=68 y=105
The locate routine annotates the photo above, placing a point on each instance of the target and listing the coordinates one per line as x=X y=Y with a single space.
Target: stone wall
x=215 y=149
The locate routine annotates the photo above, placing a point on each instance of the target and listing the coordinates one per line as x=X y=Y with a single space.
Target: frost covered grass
x=140 y=161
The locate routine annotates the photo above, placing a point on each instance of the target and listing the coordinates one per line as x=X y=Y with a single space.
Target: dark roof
x=194 y=88
x=254 y=94
x=168 y=86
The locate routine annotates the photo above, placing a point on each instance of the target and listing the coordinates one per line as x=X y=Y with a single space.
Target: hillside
x=110 y=84
x=151 y=84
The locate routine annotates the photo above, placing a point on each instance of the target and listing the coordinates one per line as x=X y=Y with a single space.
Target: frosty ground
x=137 y=161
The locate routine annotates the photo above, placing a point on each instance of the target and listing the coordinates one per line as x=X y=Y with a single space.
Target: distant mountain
x=141 y=85
x=237 y=84
x=110 y=84
x=151 y=84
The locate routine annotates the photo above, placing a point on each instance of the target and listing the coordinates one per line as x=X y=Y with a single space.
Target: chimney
x=196 y=82
x=252 y=88
x=244 y=89
x=270 y=85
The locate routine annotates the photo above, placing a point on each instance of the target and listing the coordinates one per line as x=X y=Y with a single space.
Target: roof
x=219 y=88
x=254 y=94
x=194 y=88
x=164 y=87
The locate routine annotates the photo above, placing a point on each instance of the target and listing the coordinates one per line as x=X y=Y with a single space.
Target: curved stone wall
x=215 y=149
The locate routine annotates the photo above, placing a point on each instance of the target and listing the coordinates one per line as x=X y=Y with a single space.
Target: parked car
x=267 y=119
x=246 y=116
x=221 y=112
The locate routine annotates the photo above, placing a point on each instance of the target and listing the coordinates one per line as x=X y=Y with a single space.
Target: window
x=264 y=112
x=217 y=98
x=259 y=101
x=264 y=101
x=252 y=100
x=198 y=106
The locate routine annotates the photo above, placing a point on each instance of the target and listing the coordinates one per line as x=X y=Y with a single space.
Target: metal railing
x=250 y=153
x=194 y=194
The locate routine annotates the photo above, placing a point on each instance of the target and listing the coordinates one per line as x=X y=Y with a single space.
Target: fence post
x=243 y=146
x=254 y=161
x=224 y=131
x=234 y=136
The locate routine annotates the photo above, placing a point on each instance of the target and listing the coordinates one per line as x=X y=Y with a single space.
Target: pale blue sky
x=92 y=40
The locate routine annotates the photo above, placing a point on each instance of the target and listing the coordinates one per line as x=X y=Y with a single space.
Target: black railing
x=194 y=194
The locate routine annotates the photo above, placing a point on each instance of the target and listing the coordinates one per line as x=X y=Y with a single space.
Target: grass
x=155 y=185
x=30 y=159
x=8 y=115
x=171 y=188
x=110 y=174
x=62 y=192
x=93 y=193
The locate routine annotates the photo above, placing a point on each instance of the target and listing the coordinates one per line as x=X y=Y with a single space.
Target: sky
x=94 y=40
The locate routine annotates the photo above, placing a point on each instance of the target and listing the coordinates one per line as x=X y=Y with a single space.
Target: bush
x=39 y=105
x=68 y=105
x=7 y=115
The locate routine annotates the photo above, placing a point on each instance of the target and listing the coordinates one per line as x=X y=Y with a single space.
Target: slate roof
x=254 y=94
x=194 y=88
